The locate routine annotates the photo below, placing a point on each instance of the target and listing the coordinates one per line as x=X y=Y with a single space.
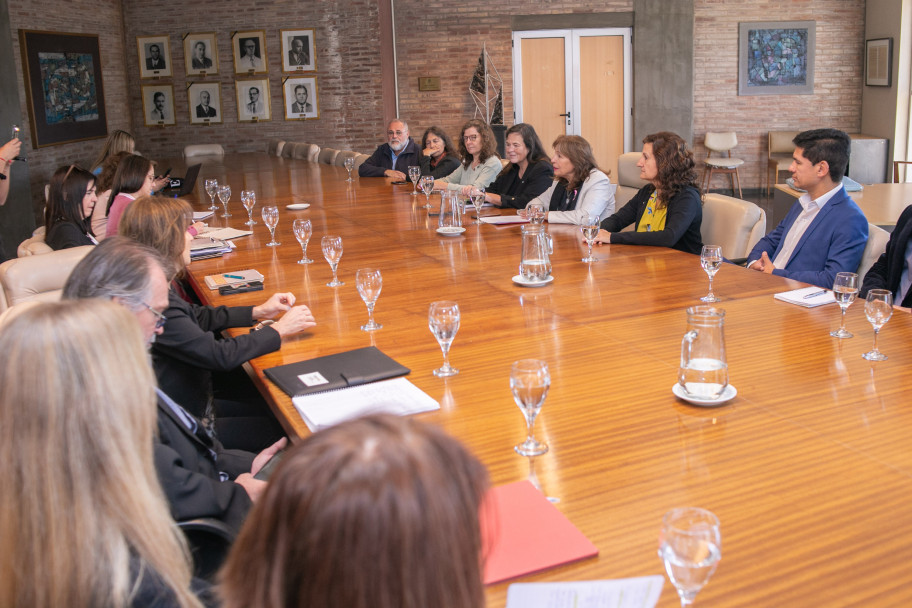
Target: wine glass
x=443 y=320
x=711 y=260
x=478 y=199
x=690 y=544
x=349 y=165
x=369 y=283
x=427 y=186
x=589 y=226
x=212 y=189
x=530 y=381
x=271 y=219
x=414 y=174
x=224 y=194
x=878 y=309
x=248 y=198
x=302 y=231
x=845 y=288
x=332 y=251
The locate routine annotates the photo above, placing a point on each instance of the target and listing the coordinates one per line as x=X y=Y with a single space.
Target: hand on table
x=398 y=176
x=764 y=264
x=294 y=321
x=270 y=309
x=603 y=236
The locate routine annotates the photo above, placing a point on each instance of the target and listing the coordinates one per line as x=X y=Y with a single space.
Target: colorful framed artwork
x=776 y=58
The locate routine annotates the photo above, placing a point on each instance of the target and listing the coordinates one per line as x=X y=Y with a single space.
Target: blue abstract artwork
x=68 y=84
x=777 y=57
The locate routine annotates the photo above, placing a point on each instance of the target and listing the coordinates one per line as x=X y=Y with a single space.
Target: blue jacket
x=834 y=242
x=382 y=159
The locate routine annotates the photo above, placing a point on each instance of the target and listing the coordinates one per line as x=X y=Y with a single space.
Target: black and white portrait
x=205 y=103
x=253 y=100
x=158 y=104
x=300 y=98
x=298 y=52
x=200 y=54
x=154 y=56
x=249 y=52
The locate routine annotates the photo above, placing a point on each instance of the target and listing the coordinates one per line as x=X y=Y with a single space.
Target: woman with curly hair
x=480 y=163
x=668 y=211
x=438 y=156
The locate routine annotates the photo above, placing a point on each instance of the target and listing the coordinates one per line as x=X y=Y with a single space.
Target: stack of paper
x=641 y=592
x=205 y=247
x=505 y=219
x=225 y=234
x=808 y=297
x=199 y=216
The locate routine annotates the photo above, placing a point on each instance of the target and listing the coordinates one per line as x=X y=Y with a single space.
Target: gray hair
x=404 y=124
x=118 y=267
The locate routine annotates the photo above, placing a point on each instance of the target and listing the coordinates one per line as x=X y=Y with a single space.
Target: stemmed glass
x=349 y=165
x=427 y=186
x=690 y=544
x=271 y=219
x=878 y=309
x=845 y=288
x=212 y=189
x=248 y=198
x=414 y=174
x=369 y=283
x=443 y=320
x=530 y=381
x=589 y=226
x=224 y=194
x=302 y=231
x=478 y=200
x=711 y=260
x=332 y=251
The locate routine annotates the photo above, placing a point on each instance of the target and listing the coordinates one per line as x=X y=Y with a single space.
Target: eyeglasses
x=470 y=138
x=397 y=133
x=160 y=317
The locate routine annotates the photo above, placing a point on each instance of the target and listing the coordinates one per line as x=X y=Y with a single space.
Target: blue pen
x=815 y=294
x=232 y=276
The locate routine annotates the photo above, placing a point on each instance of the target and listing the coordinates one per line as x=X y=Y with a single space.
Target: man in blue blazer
x=824 y=232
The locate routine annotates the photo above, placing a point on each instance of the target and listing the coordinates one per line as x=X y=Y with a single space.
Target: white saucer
x=451 y=230
x=727 y=395
x=297 y=206
x=519 y=280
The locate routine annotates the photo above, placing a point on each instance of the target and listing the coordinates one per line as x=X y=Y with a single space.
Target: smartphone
x=400 y=183
x=264 y=473
x=165 y=174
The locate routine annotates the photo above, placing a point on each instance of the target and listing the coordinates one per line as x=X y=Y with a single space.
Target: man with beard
x=393 y=158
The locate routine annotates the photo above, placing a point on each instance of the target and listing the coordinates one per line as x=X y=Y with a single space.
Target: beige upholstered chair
x=197 y=150
x=38 y=277
x=721 y=144
x=341 y=156
x=359 y=160
x=34 y=245
x=779 y=152
x=274 y=147
x=288 y=149
x=328 y=156
x=628 y=178
x=308 y=152
x=733 y=224
x=877 y=244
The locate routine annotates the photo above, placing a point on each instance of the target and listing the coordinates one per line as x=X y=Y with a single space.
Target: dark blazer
x=834 y=242
x=297 y=108
x=151 y=65
x=886 y=272
x=188 y=467
x=381 y=160
x=445 y=166
x=205 y=64
x=682 y=224
x=188 y=349
x=207 y=112
x=65 y=234
x=516 y=193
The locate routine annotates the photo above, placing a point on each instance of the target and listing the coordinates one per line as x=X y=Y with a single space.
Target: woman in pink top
x=135 y=176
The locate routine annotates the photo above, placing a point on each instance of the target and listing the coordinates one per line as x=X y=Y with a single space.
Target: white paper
x=505 y=219
x=641 y=592
x=808 y=297
x=225 y=234
x=199 y=216
x=396 y=396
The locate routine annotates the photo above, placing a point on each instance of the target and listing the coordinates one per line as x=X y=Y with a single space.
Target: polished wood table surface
x=881 y=203
x=809 y=468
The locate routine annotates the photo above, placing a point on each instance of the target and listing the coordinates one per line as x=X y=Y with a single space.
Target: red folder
x=523 y=532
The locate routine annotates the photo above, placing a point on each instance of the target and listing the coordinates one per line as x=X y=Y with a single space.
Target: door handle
x=567 y=114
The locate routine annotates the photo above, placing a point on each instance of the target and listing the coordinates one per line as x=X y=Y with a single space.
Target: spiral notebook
x=351 y=368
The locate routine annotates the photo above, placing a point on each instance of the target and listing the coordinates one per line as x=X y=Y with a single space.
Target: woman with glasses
x=71 y=199
x=480 y=163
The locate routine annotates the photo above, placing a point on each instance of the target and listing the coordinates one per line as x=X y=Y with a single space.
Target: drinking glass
x=478 y=200
x=845 y=288
x=212 y=189
x=878 y=309
x=14 y=132
x=332 y=251
x=536 y=212
x=711 y=260
x=589 y=226
x=271 y=219
x=530 y=381
x=349 y=165
x=302 y=231
x=369 y=283
x=443 y=320
x=427 y=186
x=414 y=174
x=224 y=194
x=690 y=544
x=248 y=198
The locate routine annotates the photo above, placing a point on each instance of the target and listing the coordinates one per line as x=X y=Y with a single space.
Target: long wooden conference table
x=809 y=468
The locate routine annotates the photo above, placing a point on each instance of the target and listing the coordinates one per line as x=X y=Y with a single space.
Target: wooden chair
x=722 y=144
x=896 y=164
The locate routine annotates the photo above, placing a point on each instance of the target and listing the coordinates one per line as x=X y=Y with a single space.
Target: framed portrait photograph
x=878 y=62
x=63 y=87
x=776 y=57
x=201 y=54
x=205 y=101
x=298 y=51
x=253 y=100
x=300 y=98
x=158 y=104
x=154 y=56
x=249 y=49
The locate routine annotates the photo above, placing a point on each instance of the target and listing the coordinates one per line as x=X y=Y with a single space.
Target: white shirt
x=811 y=209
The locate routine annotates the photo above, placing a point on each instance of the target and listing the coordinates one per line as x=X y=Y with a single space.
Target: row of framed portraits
x=248 y=49
x=204 y=101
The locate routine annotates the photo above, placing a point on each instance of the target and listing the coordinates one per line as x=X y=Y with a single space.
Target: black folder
x=359 y=366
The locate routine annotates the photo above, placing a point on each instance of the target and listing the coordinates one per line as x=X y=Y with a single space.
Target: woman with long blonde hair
x=83 y=522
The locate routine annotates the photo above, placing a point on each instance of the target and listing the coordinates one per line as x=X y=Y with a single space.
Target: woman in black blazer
x=71 y=199
x=438 y=155
x=528 y=174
